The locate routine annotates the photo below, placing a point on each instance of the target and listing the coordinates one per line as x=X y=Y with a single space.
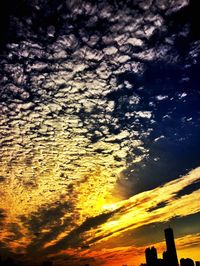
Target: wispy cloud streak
x=137 y=211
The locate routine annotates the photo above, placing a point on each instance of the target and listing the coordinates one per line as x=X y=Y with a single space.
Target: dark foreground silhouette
x=169 y=257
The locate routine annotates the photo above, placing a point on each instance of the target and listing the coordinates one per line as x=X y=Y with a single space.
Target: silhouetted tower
x=151 y=256
x=187 y=262
x=171 y=255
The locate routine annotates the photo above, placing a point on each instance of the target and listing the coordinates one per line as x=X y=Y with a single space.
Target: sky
x=99 y=130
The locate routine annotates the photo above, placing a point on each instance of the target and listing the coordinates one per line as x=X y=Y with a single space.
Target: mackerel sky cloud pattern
x=99 y=122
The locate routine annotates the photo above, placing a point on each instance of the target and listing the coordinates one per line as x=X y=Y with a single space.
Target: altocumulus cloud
x=74 y=116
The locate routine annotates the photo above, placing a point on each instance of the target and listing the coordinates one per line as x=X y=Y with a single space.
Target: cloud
x=135 y=213
x=133 y=255
x=78 y=109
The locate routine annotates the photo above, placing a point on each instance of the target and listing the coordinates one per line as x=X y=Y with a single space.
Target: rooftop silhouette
x=169 y=256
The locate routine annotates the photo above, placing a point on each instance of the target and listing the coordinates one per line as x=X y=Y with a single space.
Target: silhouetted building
x=170 y=255
x=186 y=262
x=9 y=262
x=47 y=263
x=151 y=256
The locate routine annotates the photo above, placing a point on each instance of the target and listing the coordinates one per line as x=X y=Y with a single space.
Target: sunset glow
x=99 y=131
